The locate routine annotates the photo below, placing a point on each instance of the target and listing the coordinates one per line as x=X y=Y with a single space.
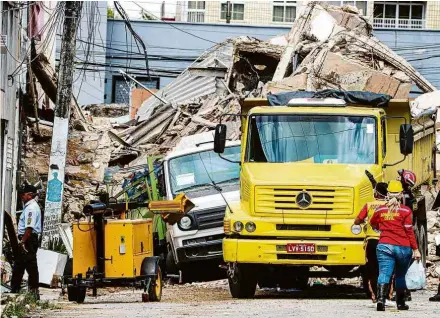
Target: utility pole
x=55 y=184
x=228 y=11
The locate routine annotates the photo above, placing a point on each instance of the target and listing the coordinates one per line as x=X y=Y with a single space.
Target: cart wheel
x=155 y=292
x=81 y=294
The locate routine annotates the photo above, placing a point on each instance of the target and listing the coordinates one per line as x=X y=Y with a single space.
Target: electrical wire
x=137 y=38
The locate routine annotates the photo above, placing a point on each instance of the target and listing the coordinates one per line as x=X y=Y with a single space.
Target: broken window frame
x=395 y=22
x=355 y=3
x=197 y=14
x=233 y=10
x=284 y=4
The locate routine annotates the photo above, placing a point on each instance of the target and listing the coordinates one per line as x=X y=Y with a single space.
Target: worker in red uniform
x=372 y=238
x=397 y=245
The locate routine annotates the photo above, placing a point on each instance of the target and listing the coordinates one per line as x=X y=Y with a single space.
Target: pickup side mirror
x=220 y=138
x=406 y=138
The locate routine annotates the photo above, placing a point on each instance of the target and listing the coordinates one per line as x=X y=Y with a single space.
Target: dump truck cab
x=303 y=181
x=195 y=243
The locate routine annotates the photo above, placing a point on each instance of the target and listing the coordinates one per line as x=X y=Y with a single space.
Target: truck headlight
x=250 y=227
x=238 y=226
x=185 y=223
x=356 y=229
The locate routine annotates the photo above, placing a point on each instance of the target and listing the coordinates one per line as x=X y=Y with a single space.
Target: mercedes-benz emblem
x=303 y=200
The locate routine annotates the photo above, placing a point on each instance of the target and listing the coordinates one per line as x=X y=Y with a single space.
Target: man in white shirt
x=29 y=228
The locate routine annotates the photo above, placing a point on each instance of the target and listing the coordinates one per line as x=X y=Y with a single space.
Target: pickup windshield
x=314 y=139
x=196 y=172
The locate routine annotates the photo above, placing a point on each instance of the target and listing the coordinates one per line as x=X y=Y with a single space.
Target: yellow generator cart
x=112 y=251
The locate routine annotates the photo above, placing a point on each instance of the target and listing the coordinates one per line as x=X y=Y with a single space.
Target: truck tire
x=242 y=281
x=422 y=241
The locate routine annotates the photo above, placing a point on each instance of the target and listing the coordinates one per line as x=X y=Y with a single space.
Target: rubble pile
x=327 y=48
x=88 y=154
x=433 y=261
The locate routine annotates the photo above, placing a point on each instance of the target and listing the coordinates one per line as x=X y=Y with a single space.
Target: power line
x=136 y=37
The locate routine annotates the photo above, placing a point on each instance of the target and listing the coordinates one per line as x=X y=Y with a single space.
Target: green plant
x=110 y=13
x=23 y=304
x=56 y=244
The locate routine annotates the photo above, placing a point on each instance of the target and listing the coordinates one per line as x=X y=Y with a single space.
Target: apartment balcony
x=398 y=23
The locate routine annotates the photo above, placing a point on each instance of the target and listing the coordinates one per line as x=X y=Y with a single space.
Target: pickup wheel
x=242 y=280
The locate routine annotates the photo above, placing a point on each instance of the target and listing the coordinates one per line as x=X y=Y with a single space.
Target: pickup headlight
x=185 y=223
x=356 y=229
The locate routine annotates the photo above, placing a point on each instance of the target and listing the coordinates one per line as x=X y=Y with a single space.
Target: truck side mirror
x=406 y=138
x=220 y=138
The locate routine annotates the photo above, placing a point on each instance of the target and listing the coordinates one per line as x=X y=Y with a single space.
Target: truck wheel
x=155 y=292
x=242 y=280
x=81 y=294
x=422 y=241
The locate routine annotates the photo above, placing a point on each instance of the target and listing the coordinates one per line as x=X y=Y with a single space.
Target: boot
x=382 y=292
x=436 y=297
x=400 y=299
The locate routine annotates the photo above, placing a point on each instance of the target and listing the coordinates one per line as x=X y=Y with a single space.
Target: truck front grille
x=282 y=199
x=303 y=227
x=210 y=218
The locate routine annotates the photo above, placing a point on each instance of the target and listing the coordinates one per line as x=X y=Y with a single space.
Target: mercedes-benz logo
x=303 y=200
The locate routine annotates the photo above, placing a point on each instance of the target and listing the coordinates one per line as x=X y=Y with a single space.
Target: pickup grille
x=282 y=199
x=210 y=218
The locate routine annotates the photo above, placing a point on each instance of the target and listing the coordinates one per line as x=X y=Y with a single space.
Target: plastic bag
x=416 y=276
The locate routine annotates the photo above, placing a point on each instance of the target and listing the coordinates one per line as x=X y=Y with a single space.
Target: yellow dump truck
x=303 y=181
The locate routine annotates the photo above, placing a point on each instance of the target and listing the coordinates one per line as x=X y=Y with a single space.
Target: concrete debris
x=107 y=110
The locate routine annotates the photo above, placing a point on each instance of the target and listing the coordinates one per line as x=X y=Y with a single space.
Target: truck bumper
x=274 y=252
x=200 y=252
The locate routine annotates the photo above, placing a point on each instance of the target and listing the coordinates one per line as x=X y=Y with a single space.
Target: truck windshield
x=195 y=172
x=314 y=139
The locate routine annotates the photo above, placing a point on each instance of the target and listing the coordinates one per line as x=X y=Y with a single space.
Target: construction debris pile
x=327 y=47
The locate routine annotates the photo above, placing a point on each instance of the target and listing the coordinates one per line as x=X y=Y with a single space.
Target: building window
x=121 y=88
x=284 y=11
x=196 y=11
x=361 y=5
x=402 y=15
x=236 y=9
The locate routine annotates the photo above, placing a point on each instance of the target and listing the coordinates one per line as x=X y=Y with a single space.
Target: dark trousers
x=26 y=261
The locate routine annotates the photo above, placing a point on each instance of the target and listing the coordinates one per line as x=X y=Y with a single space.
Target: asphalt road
x=213 y=300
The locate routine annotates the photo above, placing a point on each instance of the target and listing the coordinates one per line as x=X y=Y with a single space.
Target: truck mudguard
x=149 y=266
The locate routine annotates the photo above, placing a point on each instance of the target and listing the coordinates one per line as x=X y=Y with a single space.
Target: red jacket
x=396 y=227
